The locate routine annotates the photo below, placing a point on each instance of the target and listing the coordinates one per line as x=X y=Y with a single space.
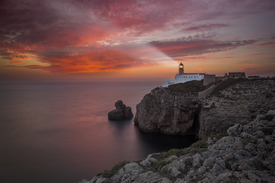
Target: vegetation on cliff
x=189 y=87
x=226 y=84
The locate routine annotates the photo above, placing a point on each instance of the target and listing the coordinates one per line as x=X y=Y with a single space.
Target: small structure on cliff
x=213 y=78
x=121 y=112
x=237 y=75
x=182 y=77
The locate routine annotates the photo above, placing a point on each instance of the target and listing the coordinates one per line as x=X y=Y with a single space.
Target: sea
x=59 y=131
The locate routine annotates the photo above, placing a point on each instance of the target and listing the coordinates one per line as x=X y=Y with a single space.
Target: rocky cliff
x=177 y=109
x=168 y=112
x=173 y=110
x=245 y=154
x=235 y=101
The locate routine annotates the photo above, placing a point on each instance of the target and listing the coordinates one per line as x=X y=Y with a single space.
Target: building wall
x=188 y=77
x=169 y=82
x=237 y=75
x=209 y=79
x=206 y=92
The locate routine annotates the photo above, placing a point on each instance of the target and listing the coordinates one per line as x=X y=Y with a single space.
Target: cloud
x=10 y=55
x=198 y=46
x=267 y=44
x=205 y=27
x=16 y=62
x=96 y=58
x=93 y=36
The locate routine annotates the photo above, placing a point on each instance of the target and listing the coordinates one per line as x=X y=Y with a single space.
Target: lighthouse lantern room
x=181 y=69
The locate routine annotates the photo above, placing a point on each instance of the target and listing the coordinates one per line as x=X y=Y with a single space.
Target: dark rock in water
x=121 y=112
x=128 y=113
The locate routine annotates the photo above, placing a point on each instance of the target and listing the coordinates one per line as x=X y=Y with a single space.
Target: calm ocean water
x=59 y=131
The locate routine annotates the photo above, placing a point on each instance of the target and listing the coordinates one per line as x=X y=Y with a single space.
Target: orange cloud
x=100 y=36
x=16 y=62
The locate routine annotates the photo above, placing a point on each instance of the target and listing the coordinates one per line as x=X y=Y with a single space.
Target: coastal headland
x=235 y=123
x=179 y=109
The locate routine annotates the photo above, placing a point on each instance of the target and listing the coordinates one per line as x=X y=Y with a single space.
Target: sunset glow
x=138 y=39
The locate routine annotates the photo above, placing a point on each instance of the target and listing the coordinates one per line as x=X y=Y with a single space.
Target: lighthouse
x=181 y=69
x=182 y=77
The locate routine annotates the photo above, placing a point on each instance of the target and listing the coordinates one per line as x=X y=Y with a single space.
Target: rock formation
x=168 y=112
x=175 y=112
x=245 y=154
x=238 y=103
x=121 y=112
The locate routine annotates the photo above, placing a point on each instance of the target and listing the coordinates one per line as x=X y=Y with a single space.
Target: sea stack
x=121 y=112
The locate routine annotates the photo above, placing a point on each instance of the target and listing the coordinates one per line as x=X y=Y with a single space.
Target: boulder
x=121 y=112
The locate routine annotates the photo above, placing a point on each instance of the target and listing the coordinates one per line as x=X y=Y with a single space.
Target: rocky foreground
x=245 y=154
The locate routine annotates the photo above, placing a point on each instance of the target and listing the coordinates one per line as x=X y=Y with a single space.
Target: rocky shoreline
x=245 y=154
x=236 y=125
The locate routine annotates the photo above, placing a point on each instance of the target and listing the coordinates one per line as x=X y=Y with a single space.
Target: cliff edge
x=174 y=110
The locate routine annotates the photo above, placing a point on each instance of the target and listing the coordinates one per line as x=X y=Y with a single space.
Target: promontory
x=235 y=120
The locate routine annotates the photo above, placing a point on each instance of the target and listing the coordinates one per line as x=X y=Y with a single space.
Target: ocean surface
x=59 y=131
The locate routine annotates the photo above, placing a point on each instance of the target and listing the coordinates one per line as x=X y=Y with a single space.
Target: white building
x=182 y=77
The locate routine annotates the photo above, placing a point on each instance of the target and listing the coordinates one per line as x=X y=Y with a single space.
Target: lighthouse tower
x=181 y=69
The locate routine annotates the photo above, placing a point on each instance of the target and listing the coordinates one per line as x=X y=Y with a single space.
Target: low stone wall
x=209 y=79
x=206 y=92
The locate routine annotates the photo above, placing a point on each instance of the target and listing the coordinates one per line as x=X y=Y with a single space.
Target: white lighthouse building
x=182 y=77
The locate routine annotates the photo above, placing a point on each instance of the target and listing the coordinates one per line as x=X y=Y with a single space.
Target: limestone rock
x=237 y=158
x=245 y=154
x=173 y=112
x=168 y=112
x=235 y=130
x=121 y=112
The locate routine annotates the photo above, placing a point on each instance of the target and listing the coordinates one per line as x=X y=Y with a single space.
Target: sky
x=134 y=39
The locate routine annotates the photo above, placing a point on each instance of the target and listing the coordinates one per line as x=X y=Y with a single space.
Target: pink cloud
x=85 y=36
x=267 y=44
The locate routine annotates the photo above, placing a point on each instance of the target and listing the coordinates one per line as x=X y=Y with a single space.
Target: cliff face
x=168 y=112
x=174 y=112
